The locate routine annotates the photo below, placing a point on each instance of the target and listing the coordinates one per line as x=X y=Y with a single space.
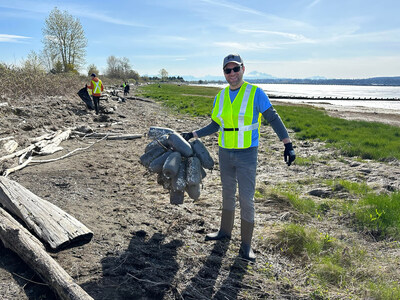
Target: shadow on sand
x=144 y=271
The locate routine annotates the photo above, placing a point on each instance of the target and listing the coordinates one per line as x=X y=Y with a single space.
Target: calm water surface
x=336 y=91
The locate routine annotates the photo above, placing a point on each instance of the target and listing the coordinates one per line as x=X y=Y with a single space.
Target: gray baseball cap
x=235 y=58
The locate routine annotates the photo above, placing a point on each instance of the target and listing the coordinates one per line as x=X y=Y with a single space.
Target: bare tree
x=33 y=63
x=163 y=74
x=112 y=66
x=120 y=68
x=92 y=69
x=65 y=39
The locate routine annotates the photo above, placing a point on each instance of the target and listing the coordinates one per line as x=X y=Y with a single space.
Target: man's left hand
x=187 y=135
x=289 y=154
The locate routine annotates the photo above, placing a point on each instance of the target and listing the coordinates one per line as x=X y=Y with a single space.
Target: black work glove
x=187 y=135
x=289 y=154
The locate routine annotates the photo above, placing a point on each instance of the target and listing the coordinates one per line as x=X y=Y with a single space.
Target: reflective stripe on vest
x=235 y=133
x=96 y=87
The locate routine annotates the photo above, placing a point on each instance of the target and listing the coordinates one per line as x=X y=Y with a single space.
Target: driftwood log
x=110 y=135
x=22 y=242
x=50 y=223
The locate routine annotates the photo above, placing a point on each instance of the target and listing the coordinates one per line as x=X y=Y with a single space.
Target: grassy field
x=366 y=140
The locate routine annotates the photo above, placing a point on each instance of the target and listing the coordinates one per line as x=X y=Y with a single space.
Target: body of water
x=335 y=91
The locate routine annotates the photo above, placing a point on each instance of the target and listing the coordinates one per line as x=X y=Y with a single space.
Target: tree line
x=64 y=51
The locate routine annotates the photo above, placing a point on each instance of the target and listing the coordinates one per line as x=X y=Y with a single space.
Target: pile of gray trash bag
x=179 y=164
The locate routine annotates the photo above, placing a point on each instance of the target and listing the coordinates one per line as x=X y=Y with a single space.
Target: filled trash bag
x=193 y=171
x=156 y=132
x=157 y=164
x=193 y=191
x=176 y=197
x=171 y=165
x=178 y=183
x=148 y=157
x=179 y=164
x=202 y=153
x=84 y=95
x=178 y=143
x=164 y=181
x=162 y=140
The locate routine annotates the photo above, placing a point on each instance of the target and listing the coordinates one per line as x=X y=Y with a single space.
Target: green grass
x=384 y=290
x=366 y=140
x=379 y=214
x=185 y=99
x=303 y=205
x=355 y=188
x=306 y=161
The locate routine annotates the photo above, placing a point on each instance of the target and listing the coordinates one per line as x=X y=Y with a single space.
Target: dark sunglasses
x=235 y=69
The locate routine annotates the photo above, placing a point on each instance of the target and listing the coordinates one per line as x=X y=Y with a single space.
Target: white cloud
x=245 y=46
x=233 y=6
x=80 y=10
x=288 y=38
x=10 y=38
x=315 y=2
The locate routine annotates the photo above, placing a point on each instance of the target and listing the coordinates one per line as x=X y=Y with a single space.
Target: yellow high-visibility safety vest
x=96 y=87
x=236 y=118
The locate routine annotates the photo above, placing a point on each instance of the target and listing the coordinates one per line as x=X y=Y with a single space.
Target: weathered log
x=65 y=155
x=55 y=138
x=10 y=146
x=16 y=168
x=29 y=249
x=50 y=223
x=113 y=136
x=18 y=153
x=46 y=136
x=47 y=147
x=6 y=138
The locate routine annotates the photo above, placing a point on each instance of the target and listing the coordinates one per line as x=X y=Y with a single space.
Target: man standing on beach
x=97 y=87
x=236 y=115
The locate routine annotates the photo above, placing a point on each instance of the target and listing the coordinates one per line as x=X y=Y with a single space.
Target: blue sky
x=286 y=38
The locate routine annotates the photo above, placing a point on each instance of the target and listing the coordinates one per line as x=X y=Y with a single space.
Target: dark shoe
x=216 y=236
x=227 y=219
x=246 y=252
x=247 y=234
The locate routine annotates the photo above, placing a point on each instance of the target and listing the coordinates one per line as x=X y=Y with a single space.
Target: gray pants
x=238 y=168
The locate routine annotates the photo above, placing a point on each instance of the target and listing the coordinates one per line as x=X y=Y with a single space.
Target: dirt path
x=143 y=247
